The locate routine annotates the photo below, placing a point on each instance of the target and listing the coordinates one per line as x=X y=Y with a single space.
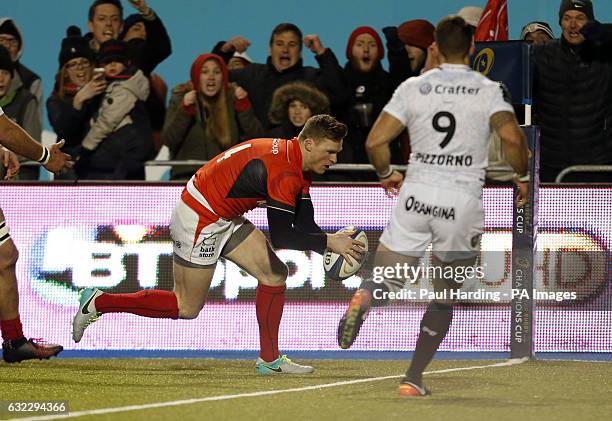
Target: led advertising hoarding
x=116 y=238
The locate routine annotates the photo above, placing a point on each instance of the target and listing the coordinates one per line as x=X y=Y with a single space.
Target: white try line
x=253 y=394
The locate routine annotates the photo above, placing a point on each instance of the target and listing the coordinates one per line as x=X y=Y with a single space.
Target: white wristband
x=46 y=156
x=386 y=174
x=523 y=178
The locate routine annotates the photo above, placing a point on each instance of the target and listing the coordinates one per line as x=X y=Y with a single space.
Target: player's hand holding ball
x=345 y=253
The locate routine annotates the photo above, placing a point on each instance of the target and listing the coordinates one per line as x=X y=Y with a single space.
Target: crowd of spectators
x=110 y=106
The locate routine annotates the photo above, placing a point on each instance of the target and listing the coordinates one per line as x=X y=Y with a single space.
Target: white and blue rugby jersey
x=447 y=112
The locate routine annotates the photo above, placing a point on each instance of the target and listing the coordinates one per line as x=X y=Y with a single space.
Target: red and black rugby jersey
x=236 y=180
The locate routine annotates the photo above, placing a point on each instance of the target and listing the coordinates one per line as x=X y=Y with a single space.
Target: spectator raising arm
x=148 y=37
x=226 y=49
x=329 y=77
x=179 y=118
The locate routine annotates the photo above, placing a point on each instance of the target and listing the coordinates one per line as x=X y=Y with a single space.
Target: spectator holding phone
x=76 y=93
x=119 y=140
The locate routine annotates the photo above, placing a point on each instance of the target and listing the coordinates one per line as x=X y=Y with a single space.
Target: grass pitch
x=542 y=390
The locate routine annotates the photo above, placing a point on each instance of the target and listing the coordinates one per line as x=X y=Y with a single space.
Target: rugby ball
x=336 y=267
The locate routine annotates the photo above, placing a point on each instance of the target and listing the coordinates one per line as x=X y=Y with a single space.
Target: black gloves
x=393 y=41
x=593 y=31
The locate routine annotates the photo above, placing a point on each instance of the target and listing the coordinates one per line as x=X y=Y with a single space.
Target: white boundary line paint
x=253 y=394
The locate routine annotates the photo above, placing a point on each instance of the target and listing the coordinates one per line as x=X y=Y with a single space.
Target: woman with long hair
x=206 y=115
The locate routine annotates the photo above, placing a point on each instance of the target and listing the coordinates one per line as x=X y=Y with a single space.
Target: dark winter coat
x=147 y=54
x=261 y=80
x=573 y=104
x=29 y=79
x=120 y=132
x=185 y=133
x=370 y=92
x=284 y=131
x=21 y=106
x=70 y=124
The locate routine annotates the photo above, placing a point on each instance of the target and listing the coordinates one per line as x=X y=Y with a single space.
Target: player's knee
x=385 y=291
x=189 y=313
x=8 y=256
x=187 y=309
x=276 y=275
x=443 y=303
x=282 y=272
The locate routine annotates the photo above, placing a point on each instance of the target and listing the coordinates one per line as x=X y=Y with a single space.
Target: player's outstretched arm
x=58 y=160
x=515 y=147
x=385 y=129
x=340 y=242
x=17 y=140
x=343 y=244
x=10 y=162
x=285 y=235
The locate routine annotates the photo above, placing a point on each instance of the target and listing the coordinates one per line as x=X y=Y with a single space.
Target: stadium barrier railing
x=582 y=169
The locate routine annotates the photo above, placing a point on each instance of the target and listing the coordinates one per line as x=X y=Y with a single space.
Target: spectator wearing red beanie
x=360 y=36
x=206 y=115
x=370 y=88
x=417 y=35
x=407 y=46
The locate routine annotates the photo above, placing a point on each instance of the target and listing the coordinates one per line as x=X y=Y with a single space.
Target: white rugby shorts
x=199 y=238
x=451 y=221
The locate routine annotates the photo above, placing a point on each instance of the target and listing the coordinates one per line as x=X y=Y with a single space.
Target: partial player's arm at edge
x=385 y=129
x=286 y=233
x=515 y=147
x=514 y=142
x=17 y=140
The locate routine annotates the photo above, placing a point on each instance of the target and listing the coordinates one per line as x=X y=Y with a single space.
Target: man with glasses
x=12 y=39
x=19 y=104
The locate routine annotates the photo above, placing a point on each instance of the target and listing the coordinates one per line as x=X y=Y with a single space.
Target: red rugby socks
x=11 y=329
x=149 y=303
x=269 y=303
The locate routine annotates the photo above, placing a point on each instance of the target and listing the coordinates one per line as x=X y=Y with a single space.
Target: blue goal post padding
x=524 y=244
x=509 y=62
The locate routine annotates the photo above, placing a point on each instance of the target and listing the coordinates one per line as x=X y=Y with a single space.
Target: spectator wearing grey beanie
x=537 y=32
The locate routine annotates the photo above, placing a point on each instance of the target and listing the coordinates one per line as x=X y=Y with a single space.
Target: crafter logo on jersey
x=484 y=60
x=425 y=88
